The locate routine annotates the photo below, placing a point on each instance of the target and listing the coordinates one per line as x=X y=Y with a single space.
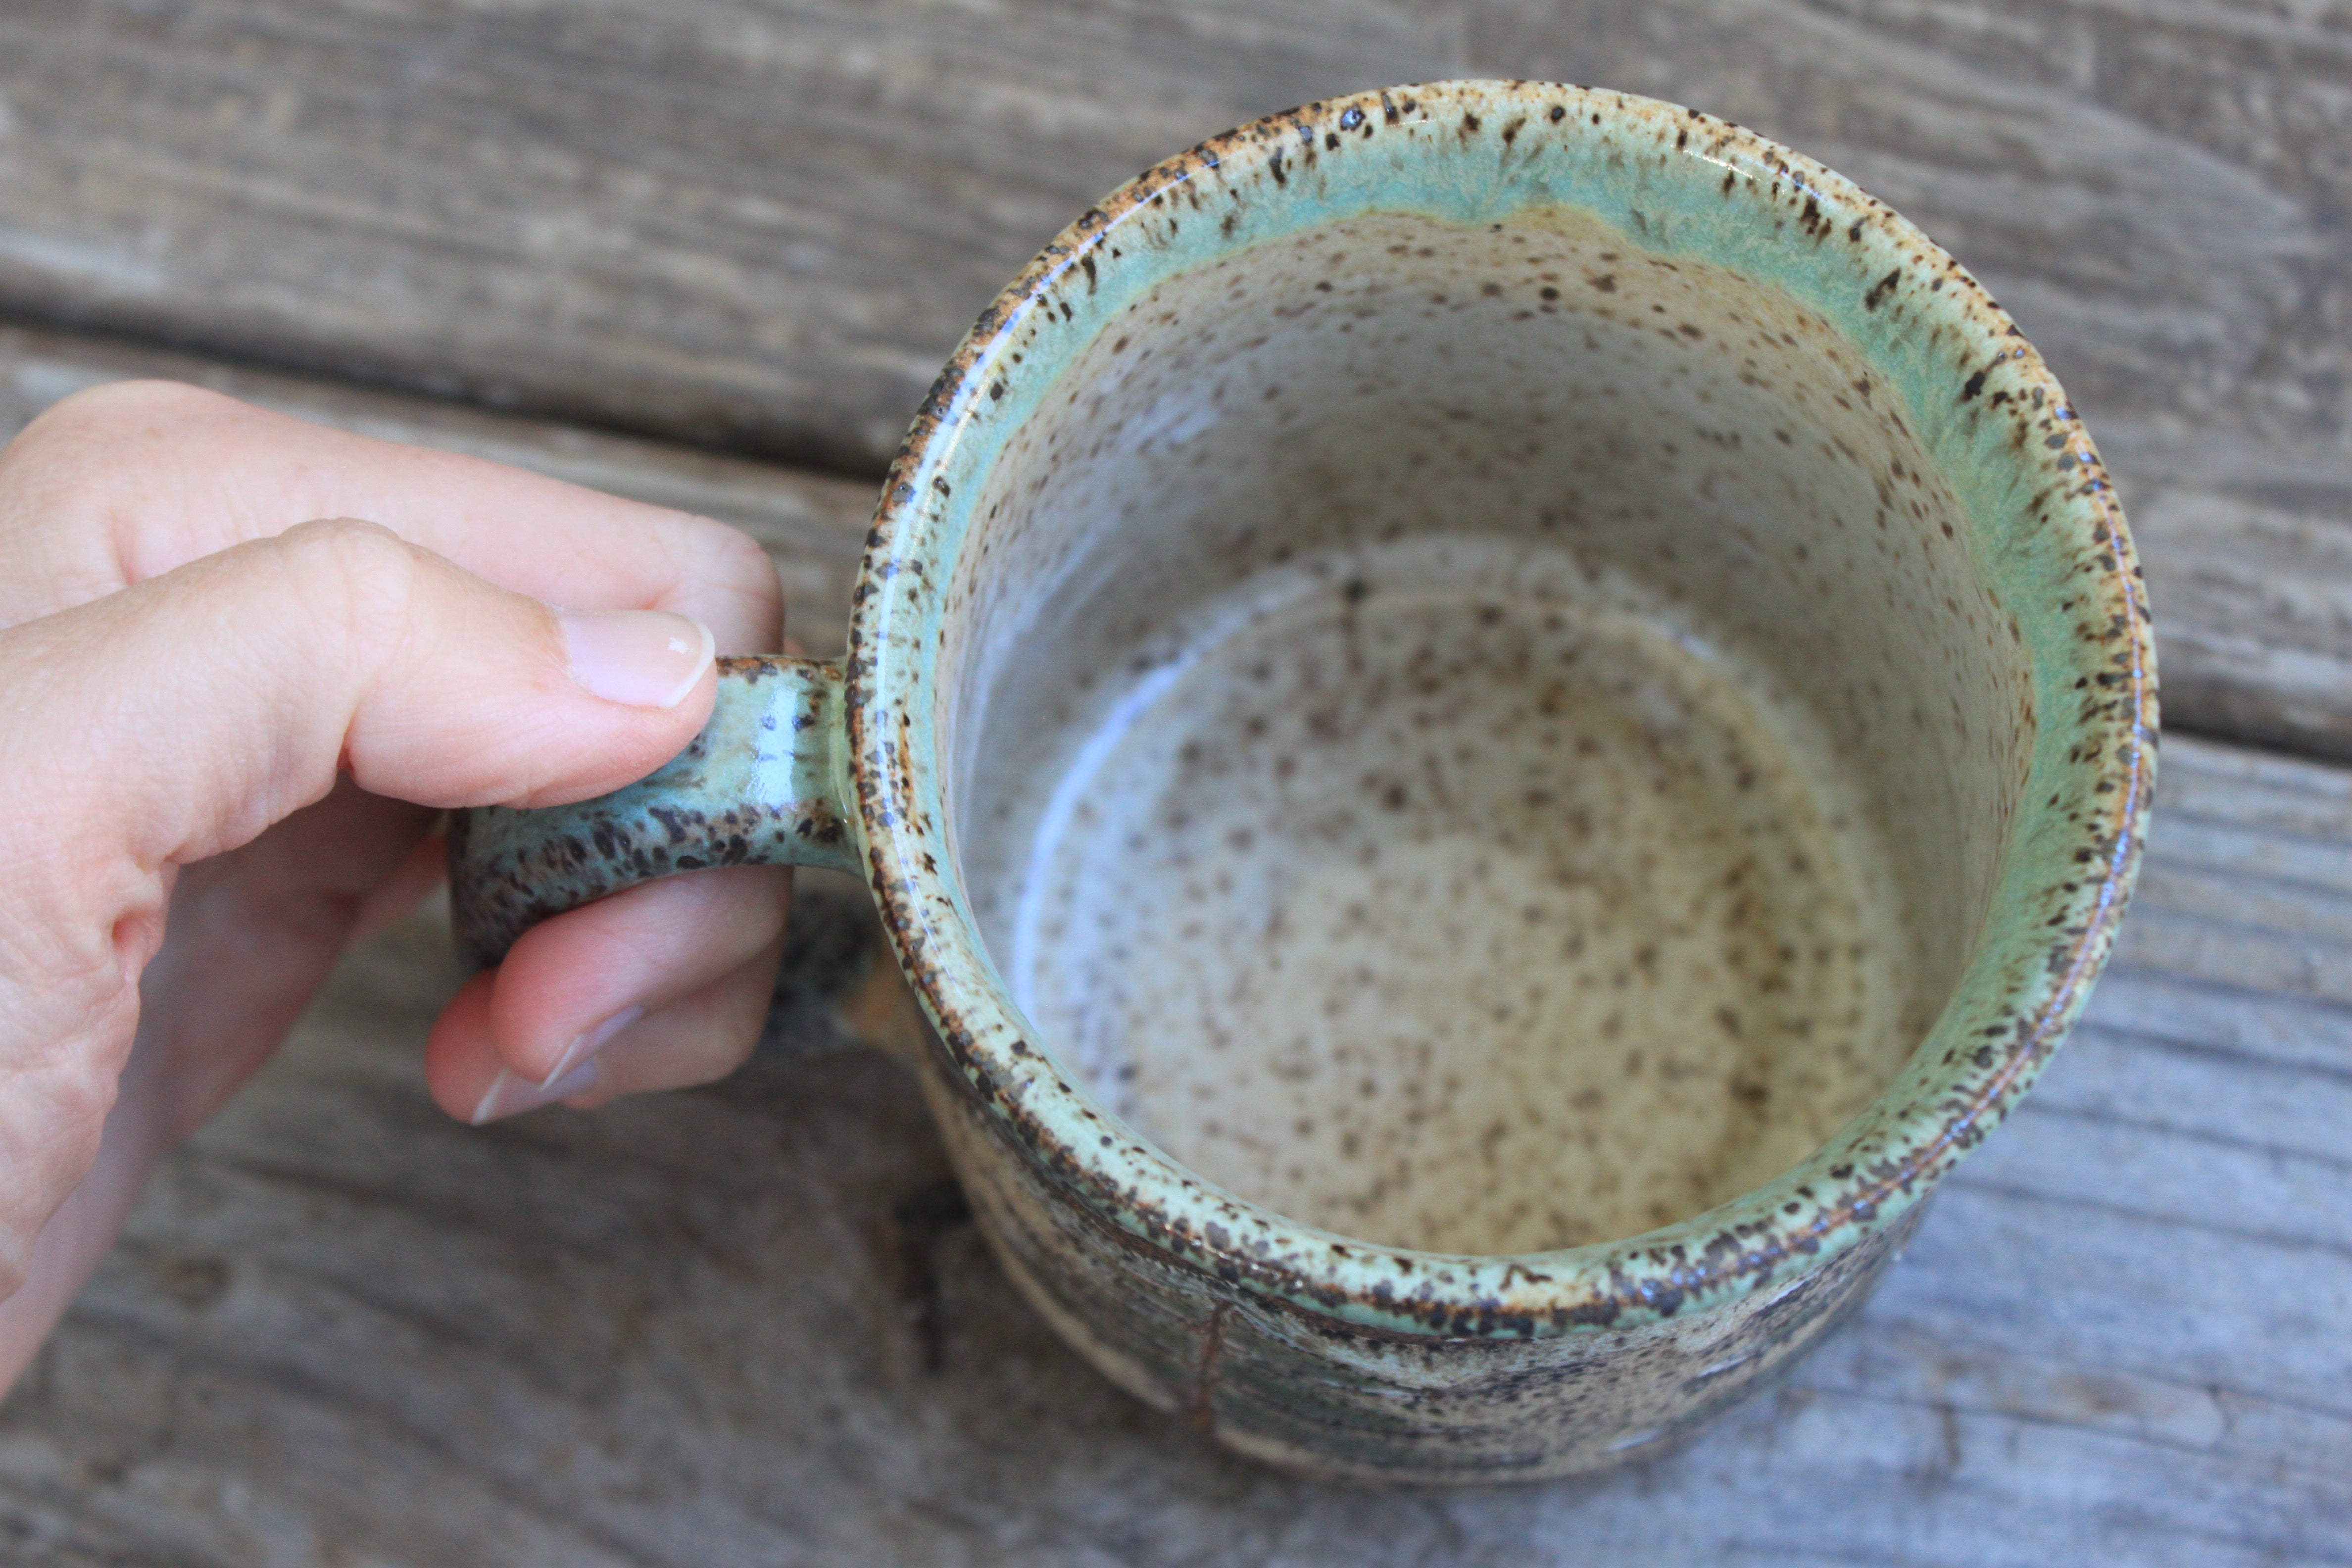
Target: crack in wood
x=1200 y=1405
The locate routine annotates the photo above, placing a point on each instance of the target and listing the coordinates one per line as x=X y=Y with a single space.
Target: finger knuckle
x=359 y=579
x=740 y=564
x=121 y=409
x=67 y=450
x=744 y=560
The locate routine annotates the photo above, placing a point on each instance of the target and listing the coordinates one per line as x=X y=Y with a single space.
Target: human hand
x=230 y=716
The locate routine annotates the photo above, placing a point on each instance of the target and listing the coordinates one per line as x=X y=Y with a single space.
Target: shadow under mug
x=1493 y=721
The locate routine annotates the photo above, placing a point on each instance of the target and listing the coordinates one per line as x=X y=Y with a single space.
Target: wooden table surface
x=710 y=252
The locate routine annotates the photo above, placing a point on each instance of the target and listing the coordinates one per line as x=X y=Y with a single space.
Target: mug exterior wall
x=1312 y=1392
x=1341 y=1356
x=1352 y=1358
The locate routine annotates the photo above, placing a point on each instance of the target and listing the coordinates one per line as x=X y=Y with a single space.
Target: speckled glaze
x=1493 y=722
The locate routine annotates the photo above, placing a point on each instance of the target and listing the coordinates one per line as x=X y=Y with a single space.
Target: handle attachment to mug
x=764 y=784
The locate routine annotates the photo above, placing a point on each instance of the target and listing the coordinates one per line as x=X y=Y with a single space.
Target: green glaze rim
x=2044 y=526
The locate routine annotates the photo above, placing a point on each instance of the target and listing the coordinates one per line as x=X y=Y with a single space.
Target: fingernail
x=512 y=1096
x=645 y=658
x=588 y=1042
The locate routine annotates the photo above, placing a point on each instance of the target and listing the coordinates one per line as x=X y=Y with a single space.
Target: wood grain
x=760 y=225
x=754 y=1323
x=654 y=244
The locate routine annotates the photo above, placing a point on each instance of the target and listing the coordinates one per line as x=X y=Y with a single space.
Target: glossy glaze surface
x=1442 y=902
x=1530 y=744
x=2042 y=534
x=1852 y=490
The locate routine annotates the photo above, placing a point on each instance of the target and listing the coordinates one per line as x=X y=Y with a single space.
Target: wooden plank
x=2249 y=554
x=753 y=1323
x=761 y=224
x=814 y=526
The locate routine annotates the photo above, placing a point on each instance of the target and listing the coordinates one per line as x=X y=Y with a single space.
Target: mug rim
x=2032 y=962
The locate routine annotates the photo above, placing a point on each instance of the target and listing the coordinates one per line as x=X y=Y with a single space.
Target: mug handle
x=764 y=785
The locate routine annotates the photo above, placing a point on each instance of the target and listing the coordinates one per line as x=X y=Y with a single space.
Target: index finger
x=127 y=481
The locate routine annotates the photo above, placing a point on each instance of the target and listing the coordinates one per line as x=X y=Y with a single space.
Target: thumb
x=180 y=718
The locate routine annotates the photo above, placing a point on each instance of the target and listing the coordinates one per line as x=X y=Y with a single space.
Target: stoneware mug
x=1493 y=720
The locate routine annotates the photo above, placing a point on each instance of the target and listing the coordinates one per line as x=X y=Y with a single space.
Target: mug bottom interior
x=1448 y=892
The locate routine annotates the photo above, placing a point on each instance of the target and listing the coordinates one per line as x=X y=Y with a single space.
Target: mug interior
x=1481 y=737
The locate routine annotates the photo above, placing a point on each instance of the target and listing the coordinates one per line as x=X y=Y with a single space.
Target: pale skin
x=245 y=663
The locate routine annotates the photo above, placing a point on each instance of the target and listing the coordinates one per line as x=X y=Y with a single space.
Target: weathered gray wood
x=814 y=526
x=754 y=1323
x=761 y=223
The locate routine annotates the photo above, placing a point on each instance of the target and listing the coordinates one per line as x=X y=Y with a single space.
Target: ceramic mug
x=1493 y=721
